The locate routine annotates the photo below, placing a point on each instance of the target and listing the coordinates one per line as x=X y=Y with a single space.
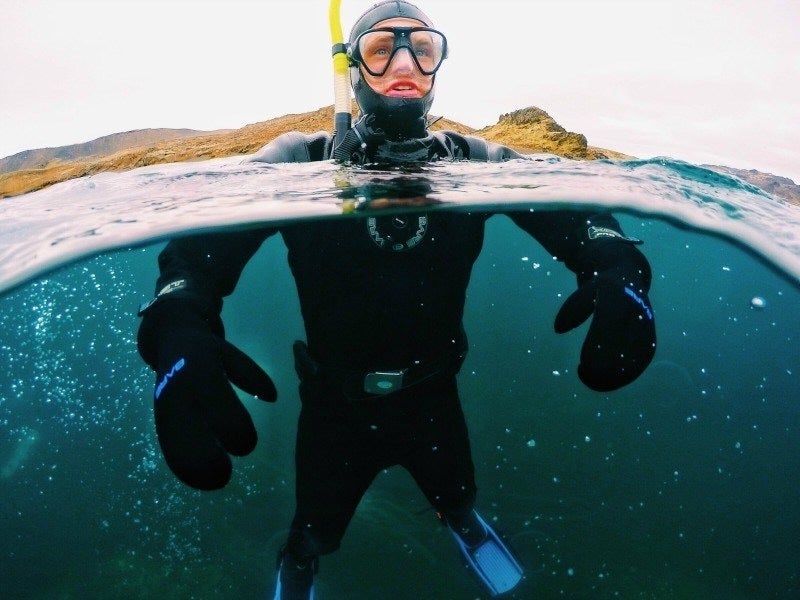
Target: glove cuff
x=176 y=307
x=183 y=289
x=613 y=258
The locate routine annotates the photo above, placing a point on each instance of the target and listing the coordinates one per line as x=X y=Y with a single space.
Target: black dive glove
x=199 y=418
x=621 y=340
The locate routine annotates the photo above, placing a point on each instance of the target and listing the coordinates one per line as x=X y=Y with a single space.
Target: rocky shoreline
x=527 y=130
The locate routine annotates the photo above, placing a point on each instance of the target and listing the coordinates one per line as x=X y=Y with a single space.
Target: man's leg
x=331 y=477
x=442 y=466
x=441 y=460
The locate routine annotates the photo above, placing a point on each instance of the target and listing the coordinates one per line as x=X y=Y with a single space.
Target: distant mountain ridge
x=103 y=146
x=782 y=187
x=527 y=130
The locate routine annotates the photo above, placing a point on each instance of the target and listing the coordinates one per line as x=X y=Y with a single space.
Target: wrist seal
x=173 y=286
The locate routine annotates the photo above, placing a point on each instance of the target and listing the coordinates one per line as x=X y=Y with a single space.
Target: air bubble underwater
x=74 y=409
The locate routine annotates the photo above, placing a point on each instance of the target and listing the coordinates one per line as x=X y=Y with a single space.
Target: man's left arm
x=613 y=282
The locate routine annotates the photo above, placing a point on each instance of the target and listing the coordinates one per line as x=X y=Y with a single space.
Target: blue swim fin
x=491 y=560
x=295 y=582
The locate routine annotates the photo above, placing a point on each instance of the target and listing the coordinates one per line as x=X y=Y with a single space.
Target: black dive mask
x=374 y=49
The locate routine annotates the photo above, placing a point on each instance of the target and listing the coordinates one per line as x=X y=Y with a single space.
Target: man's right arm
x=199 y=419
x=207 y=265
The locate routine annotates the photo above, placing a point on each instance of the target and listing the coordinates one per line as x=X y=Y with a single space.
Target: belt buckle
x=383 y=382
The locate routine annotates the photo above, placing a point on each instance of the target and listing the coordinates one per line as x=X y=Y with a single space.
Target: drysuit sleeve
x=576 y=237
x=204 y=268
x=295 y=147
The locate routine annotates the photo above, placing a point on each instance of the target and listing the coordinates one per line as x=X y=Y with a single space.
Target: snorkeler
x=382 y=305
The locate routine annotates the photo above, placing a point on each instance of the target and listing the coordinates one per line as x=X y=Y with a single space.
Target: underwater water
x=684 y=484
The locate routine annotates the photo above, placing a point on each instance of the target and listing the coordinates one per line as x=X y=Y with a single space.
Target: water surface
x=682 y=485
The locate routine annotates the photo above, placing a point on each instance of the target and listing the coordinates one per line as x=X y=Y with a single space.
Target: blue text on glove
x=638 y=300
x=163 y=383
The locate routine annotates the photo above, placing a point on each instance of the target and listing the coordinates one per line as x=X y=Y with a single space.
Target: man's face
x=402 y=78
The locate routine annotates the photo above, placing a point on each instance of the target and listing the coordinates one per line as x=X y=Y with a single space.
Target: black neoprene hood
x=392 y=113
x=389 y=9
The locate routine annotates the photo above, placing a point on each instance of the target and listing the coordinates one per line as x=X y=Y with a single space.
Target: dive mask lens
x=374 y=49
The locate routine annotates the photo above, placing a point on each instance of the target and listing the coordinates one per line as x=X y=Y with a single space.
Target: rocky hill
x=102 y=146
x=533 y=130
x=527 y=130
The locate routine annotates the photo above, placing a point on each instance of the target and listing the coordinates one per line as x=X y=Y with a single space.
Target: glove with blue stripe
x=612 y=285
x=199 y=419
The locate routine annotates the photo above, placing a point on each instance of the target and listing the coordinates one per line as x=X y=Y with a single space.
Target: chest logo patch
x=397 y=232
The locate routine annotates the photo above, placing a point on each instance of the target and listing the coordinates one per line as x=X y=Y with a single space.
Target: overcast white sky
x=708 y=81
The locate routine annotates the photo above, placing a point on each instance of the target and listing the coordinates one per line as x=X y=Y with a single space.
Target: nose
x=402 y=61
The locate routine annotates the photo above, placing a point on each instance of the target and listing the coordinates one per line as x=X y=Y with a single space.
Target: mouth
x=403 y=89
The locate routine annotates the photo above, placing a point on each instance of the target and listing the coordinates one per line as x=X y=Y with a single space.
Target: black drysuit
x=377 y=294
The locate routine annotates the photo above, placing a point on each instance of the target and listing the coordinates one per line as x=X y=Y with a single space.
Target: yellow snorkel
x=341 y=77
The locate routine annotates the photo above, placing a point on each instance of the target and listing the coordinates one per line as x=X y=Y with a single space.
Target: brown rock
x=533 y=130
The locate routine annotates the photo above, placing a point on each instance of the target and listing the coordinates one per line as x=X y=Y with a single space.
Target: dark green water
x=685 y=484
